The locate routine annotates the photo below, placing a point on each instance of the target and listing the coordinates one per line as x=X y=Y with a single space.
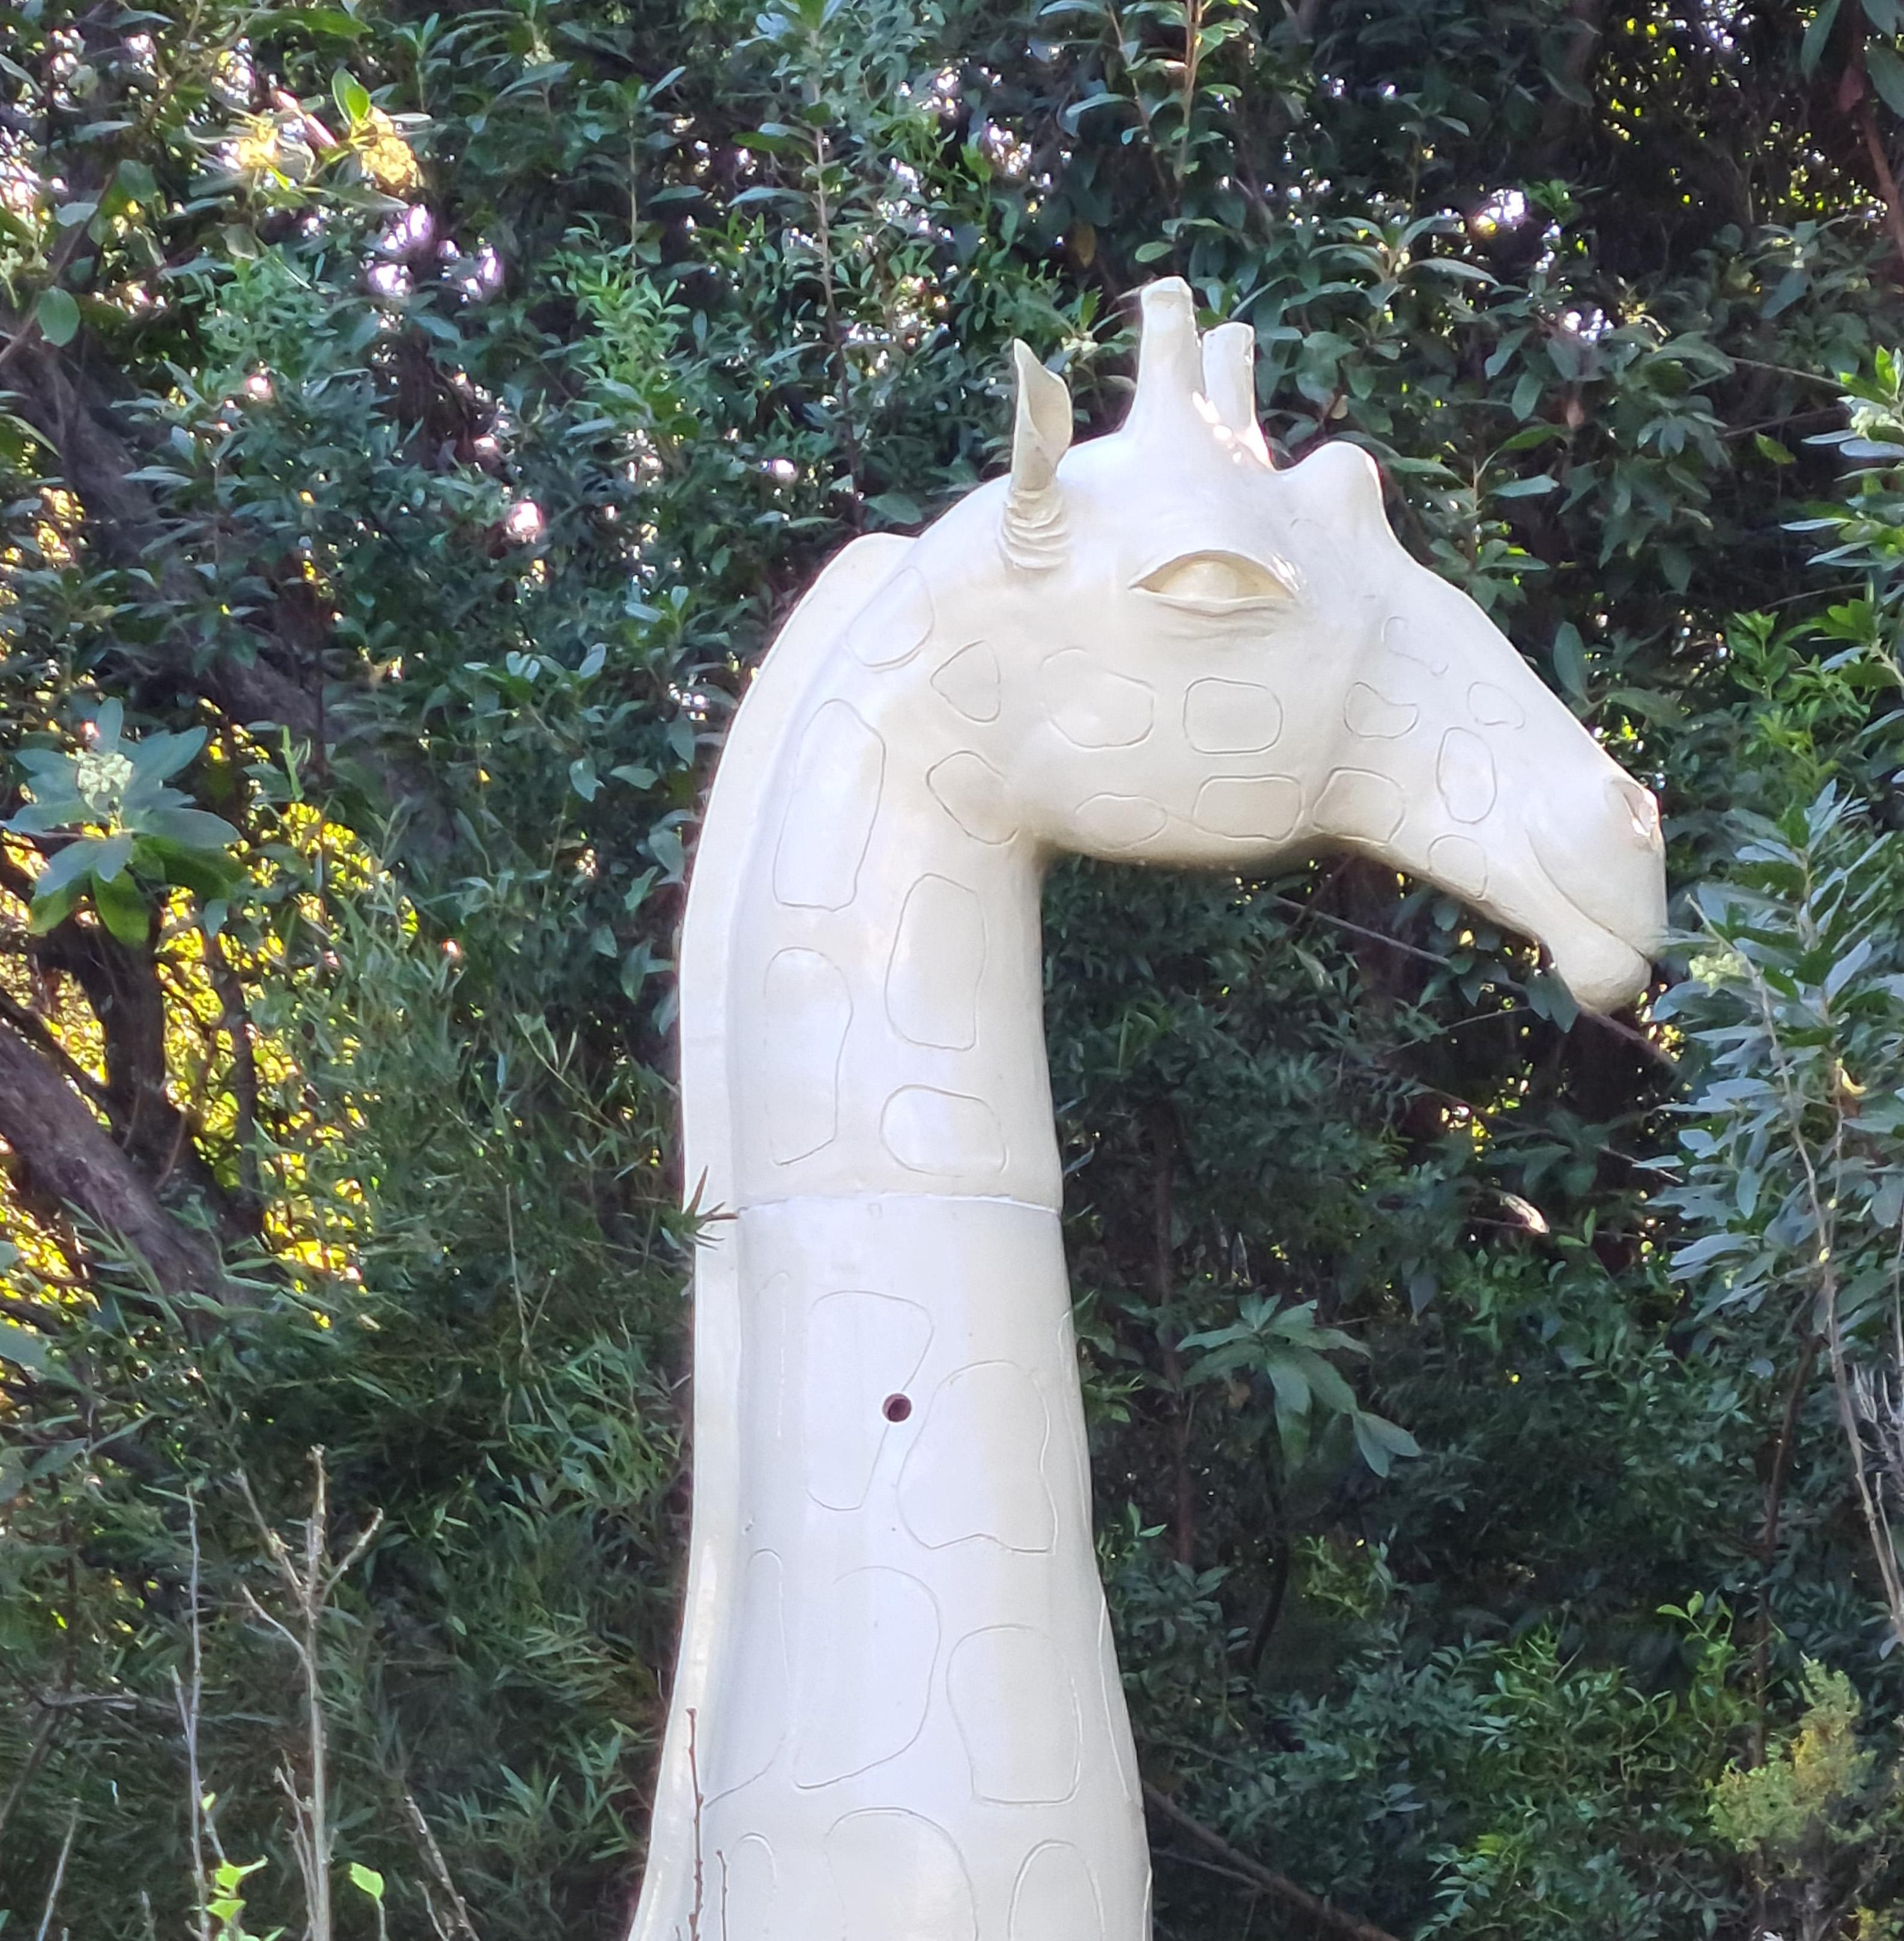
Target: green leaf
x=1811 y=50
x=57 y=316
x=583 y=779
x=136 y=183
x=1570 y=660
x=109 y=856
x=368 y=1878
x=1380 y=1440
x=23 y=1347
x=74 y=863
x=1293 y=1394
x=52 y=908
x=664 y=845
x=1076 y=112
x=333 y=21
x=206 y=873
x=190 y=828
x=352 y=97
x=122 y=910
x=159 y=756
x=1528 y=488
x=1887 y=73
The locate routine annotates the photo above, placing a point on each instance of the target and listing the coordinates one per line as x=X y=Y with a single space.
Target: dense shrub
x=418 y=423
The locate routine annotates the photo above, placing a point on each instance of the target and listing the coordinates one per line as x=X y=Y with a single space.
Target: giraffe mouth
x=1602 y=971
x=1611 y=880
x=1605 y=956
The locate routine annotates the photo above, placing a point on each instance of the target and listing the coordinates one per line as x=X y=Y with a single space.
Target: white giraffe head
x=1184 y=654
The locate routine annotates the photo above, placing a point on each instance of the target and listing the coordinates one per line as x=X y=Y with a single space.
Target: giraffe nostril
x=896 y=1408
x=1641 y=809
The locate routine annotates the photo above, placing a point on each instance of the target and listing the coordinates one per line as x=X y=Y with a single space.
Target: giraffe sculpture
x=896 y=1714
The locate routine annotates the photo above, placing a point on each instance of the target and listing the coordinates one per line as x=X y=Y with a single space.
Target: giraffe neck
x=897 y=1668
x=884 y=967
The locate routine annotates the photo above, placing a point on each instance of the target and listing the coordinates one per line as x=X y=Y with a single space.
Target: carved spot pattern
x=1231 y=717
x=1460 y=862
x=1090 y=706
x=897 y=622
x=1464 y=772
x=970 y=684
x=972 y=792
x=809 y=1010
x=859 y=1348
x=1120 y=821
x=831 y=805
x=1494 y=708
x=900 y=1877
x=1400 y=637
x=1250 y=808
x=754 y=1726
x=869 y=1653
x=1374 y=716
x=1359 y=804
x=1011 y=1695
x=937 y=965
x=928 y=1130
x=1054 y=1898
x=977 y=1469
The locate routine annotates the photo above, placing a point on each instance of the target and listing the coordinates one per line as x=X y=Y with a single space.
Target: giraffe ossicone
x=896 y=1713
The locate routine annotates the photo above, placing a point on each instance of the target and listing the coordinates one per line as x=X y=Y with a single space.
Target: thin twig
x=1278 y=1886
x=700 y=1884
x=43 y=1732
x=1637 y=1039
x=191 y=1698
x=309 y=1587
x=433 y=1854
x=59 y=1871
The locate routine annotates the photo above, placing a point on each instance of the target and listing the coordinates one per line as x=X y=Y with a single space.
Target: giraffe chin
x=1601 y=971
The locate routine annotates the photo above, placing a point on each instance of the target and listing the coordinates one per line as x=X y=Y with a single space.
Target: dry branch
x=1278 y=1887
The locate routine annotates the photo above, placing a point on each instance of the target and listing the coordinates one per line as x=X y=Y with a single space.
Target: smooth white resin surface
x=896 y=1714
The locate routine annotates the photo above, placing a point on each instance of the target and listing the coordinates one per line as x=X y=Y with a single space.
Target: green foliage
x=1817 y=1820
x=148 y=833
x=419 y=423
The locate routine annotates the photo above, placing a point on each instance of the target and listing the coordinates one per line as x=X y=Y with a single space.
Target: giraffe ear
x=1229 y=382
x=1033 y=531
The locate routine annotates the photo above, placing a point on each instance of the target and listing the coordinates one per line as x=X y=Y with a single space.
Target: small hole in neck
x=896 y=1408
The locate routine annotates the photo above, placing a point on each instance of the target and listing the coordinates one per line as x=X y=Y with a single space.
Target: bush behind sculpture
x=471 y=395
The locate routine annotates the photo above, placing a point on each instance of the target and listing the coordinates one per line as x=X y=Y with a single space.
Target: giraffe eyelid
x=1213 y=580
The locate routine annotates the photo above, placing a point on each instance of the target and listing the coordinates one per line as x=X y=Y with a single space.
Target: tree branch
x=69 y=1158
x=1586 y=36
x=1886 y=180
x=1278 y=1886
x=35 y=1030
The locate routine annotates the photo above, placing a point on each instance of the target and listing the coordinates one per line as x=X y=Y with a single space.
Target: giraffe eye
x=1215 y=582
